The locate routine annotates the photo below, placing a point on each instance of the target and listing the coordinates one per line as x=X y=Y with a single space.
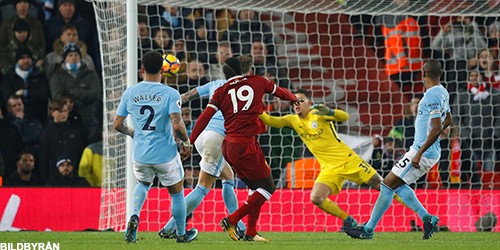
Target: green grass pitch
x=288 y=241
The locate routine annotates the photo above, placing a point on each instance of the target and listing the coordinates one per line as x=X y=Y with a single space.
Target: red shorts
x=246 y=158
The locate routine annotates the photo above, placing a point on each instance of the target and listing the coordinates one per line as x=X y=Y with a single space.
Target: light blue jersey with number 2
x=434 y=104
x=216 y=124
x=150 y=105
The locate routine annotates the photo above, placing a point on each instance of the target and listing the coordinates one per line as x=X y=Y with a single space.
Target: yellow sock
x=332 y=208
x=398 y=199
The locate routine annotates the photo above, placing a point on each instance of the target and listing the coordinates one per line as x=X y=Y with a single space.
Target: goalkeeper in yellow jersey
x=338 y=161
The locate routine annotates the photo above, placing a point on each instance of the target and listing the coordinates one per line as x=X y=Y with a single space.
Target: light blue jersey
x=216 y=124
x=150 y=105
x=434 y=104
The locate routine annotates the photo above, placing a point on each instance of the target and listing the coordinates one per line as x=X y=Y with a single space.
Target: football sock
x=254 y=201
x=192 y=200
x=230 y=199
x=384 y=200
x=410 y=199
x=332 y=208
x=398 y=199
x=179 y=212
x=140 y=194
x=252 y=222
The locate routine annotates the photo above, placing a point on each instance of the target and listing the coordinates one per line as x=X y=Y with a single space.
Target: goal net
x=360 y=56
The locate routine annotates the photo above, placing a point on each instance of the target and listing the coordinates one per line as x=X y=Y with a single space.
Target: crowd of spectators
x=51 y=91
x=468 y=50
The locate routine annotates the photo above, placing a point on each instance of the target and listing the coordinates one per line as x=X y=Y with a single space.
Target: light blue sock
x=383 y=203
x=140 y=194
x=179 y=212
x=193 y=200
x=410 y=199
x=230 y=199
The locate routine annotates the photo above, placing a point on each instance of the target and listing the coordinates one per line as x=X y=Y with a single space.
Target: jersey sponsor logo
x=312 y=137
x=433 y=106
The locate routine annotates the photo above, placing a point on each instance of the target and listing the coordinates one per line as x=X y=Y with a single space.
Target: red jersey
x=240 y=101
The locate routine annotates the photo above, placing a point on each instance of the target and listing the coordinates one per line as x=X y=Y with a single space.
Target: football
x=171 y=65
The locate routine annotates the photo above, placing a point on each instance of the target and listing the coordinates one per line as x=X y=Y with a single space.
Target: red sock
x=252 y=222
x=254 y=201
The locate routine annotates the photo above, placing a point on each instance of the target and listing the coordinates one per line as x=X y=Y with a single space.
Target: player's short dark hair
x=305 y=92
x=232 y=67
x=246 y=63
x=432 y=69
x=152 y=62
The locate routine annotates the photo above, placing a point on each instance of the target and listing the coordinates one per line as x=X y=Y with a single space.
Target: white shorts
x=168 y=173
x=209 y=145
x=406 y=172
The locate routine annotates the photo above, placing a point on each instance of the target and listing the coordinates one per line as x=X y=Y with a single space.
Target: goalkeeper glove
x=323 y=110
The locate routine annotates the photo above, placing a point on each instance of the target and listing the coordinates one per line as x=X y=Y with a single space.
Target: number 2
x=150 y=117
x=235 y=96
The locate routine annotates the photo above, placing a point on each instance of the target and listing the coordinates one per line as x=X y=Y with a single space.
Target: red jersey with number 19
x=240 y=101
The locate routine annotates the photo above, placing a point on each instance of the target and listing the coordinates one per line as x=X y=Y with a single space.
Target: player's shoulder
x=216 y=83
x=437 y=91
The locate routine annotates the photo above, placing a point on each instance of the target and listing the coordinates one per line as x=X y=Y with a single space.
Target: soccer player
x=433 y=117
x=213 y=165
x=240 y=101
x=155 y=110
x=338 y=161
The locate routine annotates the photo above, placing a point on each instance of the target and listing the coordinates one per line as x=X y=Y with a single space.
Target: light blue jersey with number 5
x=434 y=104
x=150 y=105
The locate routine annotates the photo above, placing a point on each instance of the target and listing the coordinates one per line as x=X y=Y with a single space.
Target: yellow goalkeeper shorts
x=356 y=170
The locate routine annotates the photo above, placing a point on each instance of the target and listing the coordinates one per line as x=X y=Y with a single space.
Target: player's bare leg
x=319 y=197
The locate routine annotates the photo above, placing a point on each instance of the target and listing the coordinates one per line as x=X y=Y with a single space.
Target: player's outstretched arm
x=273 y=121
x=202 y=121
x=189 y=96
x=285 y=94
x=119 y=126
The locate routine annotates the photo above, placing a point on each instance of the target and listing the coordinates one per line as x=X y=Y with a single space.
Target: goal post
x=336 y=49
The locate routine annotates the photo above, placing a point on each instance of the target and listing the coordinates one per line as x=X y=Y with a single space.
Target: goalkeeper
x=338 y=161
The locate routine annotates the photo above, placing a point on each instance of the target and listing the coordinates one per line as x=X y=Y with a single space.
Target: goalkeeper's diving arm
x=273 y=121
